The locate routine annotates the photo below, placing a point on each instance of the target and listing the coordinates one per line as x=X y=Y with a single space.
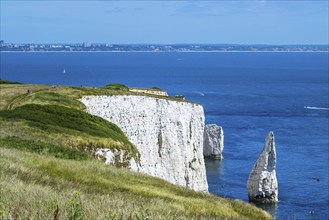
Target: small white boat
x=64 y=71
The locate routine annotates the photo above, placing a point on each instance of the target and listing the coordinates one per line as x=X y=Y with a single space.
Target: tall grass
x=33 y=186
x=42 y=148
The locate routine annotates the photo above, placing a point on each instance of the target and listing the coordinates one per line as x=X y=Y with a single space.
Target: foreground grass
x=40 y=187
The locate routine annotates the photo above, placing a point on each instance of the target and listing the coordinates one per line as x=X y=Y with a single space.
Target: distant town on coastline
x=87 y=46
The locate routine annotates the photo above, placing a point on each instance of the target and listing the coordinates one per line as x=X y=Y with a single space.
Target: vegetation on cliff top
x=8 y=82
x=48 y=170
x=116 y=87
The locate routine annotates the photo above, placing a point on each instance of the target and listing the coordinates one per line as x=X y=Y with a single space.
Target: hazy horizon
x=220 y=44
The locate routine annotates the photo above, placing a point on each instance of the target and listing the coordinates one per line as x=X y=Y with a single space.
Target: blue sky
x=241 y=22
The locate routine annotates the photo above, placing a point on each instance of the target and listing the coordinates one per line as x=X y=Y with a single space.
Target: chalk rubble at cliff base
x=262 y=181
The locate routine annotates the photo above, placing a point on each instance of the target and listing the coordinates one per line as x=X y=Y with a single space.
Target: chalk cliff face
x=168 y=134
x=213 y=141
x=262 y=181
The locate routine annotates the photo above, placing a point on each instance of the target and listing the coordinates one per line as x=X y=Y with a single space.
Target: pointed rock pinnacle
x=262 y=181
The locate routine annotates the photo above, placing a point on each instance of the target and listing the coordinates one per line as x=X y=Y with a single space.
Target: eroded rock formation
x=116 y=157
x=168 y=134
x=262 y=181
x=213 y=144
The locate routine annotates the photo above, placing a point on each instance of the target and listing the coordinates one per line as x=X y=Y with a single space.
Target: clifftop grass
x=14 y=95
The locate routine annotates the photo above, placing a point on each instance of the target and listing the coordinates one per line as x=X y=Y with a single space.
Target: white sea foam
x=315 y=108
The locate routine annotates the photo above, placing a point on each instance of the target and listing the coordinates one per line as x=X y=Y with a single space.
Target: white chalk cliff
x=262 y=181
x=168 y=134
x=213 y=141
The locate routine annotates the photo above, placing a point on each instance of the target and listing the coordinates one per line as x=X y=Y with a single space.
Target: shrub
x=120 y=87
x=8 y=82
x=156 y=88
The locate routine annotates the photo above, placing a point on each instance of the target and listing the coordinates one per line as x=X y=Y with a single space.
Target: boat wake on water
x=316 y=108
x=200 y=93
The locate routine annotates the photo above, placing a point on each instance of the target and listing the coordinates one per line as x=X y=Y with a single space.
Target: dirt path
x=21 y=97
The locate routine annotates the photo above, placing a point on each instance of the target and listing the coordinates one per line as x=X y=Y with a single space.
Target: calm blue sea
x=248 y=94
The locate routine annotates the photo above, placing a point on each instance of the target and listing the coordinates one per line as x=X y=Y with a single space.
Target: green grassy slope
x=62 y=127
x=47 y=167
x=33 y=186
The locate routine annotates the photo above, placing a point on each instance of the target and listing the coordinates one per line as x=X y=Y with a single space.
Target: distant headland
x=106 y=47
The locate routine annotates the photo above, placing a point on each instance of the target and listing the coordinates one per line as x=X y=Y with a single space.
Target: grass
x=52 y=98
x=14 y=95
x=35 y=186
x=55 y=118
x=43 y=148
x=67 y=127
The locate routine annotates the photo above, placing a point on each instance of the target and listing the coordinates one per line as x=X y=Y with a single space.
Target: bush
x=120 y=87
x=156 y=88
x=8 y=82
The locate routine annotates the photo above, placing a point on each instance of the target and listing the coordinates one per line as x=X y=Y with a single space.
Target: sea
x=247 y=93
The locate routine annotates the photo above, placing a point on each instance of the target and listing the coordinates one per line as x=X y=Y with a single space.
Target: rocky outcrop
x=262 y=181
x=116 y=157
x=213 y=144
x=168 y=134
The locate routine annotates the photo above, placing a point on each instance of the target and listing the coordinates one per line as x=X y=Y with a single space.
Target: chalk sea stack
x=213 y=144
x=262 y=181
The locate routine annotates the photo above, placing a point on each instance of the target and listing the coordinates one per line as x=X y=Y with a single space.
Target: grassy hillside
x=48 y=170
x=35 y=186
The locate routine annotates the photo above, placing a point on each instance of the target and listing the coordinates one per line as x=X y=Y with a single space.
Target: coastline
x=215 y=51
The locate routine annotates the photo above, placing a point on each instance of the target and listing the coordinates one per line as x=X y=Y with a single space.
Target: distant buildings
x=88 y=46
